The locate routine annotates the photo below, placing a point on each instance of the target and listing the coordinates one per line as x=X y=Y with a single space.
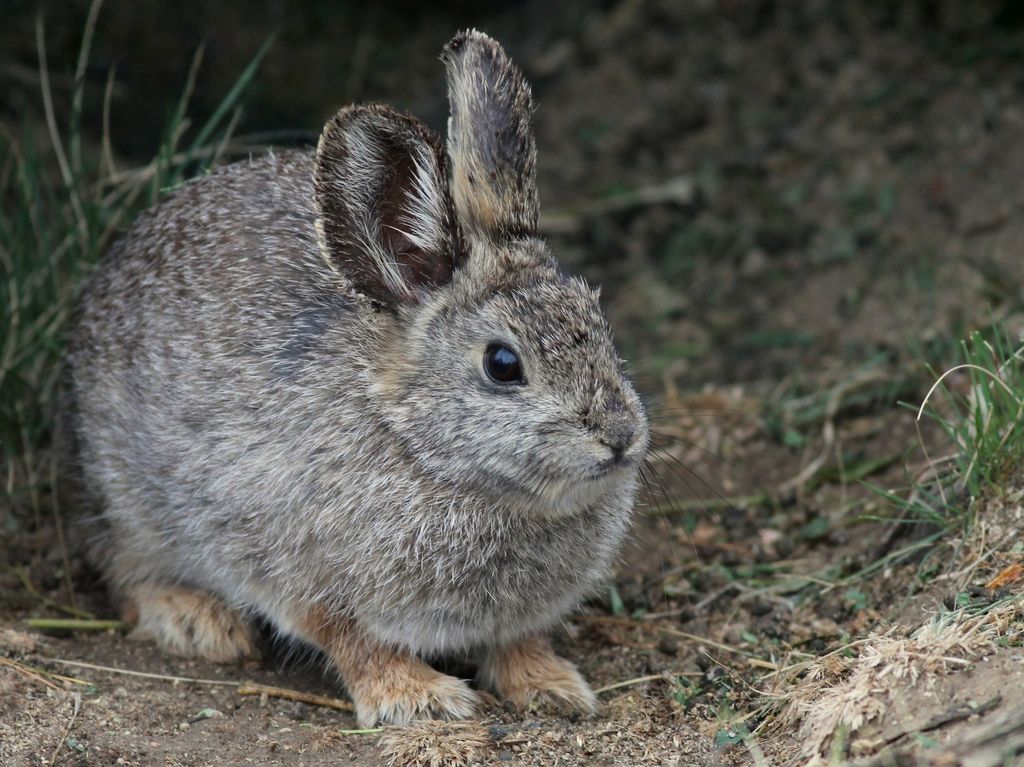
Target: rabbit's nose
x=615 y=423
x=619 y=436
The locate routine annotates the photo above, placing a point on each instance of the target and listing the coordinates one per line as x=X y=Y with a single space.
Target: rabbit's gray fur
x=279 y=397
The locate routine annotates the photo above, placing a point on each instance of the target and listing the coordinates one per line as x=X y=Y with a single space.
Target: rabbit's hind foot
x=189 y=623
x=529 y=672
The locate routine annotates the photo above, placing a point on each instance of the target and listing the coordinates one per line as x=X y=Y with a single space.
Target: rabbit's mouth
x=567 y=495
x=620 y=450
x=609 y=464
x=621 y=458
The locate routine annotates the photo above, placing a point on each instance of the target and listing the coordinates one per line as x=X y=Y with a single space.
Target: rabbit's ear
x=490 y=138
x=384 y=211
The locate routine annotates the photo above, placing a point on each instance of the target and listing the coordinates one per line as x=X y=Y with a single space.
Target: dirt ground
x=793 y=209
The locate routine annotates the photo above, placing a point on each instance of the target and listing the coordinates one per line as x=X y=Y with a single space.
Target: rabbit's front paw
x=408 y=689
x=386 y=683
x=191 y=623
x=529 y=672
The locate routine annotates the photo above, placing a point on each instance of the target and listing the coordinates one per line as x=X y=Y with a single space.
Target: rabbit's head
x=495 y=370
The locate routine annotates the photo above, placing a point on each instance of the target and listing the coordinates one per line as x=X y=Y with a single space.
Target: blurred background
x=758 y=183
x=797 y=211
x=780 y=196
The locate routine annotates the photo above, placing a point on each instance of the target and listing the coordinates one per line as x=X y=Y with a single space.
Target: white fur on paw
x=437 y=696
x=192 y=624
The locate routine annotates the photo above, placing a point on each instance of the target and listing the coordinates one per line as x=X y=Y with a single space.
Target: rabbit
x=351 y=393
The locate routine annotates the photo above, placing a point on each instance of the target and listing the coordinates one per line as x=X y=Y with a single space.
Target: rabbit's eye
x=502 y=364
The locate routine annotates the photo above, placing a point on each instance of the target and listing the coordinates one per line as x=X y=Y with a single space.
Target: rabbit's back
x=189 y=341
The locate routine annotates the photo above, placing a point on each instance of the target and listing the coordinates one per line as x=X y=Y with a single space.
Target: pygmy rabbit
x=352 y=392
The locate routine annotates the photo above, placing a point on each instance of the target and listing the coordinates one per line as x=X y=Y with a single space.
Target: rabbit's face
x=495 y=370
x=517 y=391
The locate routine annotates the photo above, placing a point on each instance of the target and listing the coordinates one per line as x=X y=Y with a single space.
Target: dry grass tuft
x=434 y=744
x=843 y=694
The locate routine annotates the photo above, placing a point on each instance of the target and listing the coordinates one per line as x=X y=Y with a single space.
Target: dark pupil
x=502 y=364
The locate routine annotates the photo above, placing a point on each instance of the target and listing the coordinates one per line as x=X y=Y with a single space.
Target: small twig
x=75 y=624
x=32 y=673
x=337 y=704
x=77 y=701
x=649 y=678
x=753 y=659
x=143 y=674
x=812 y=659
x=243 y=688
x=52 y=603
x=38 y=672
x=628 y=683
x=705 y=640
x=737 y=677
